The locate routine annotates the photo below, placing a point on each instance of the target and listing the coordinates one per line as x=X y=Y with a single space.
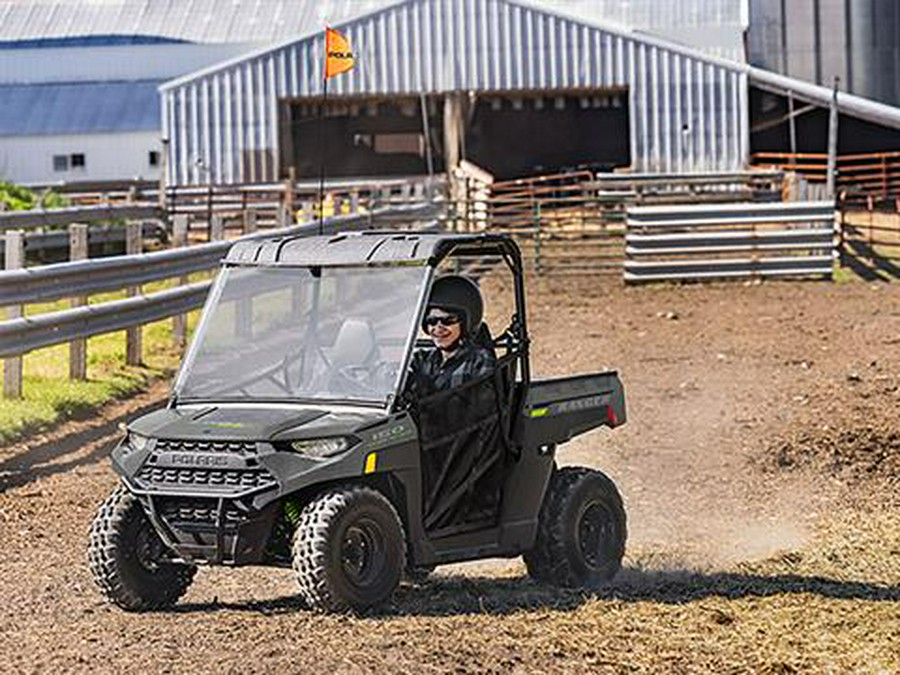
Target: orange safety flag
x=338 y=56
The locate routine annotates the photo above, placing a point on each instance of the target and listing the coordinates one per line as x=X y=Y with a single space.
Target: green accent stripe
x=538 y=412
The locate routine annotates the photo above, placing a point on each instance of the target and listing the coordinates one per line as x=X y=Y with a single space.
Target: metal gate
x=559 y=221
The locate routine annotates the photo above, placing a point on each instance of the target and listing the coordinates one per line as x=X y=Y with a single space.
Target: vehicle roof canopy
x=366 y=248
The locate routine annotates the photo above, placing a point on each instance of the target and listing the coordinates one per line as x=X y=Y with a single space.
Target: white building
x=78 y=78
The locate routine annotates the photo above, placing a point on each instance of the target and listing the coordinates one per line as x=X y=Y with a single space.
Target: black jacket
x=429 y=373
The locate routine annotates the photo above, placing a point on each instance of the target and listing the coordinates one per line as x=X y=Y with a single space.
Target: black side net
x=465 y=440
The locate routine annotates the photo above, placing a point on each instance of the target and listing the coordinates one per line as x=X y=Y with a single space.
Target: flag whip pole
x=322 y=150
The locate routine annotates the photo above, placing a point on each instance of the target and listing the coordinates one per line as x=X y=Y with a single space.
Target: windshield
x=303 y=334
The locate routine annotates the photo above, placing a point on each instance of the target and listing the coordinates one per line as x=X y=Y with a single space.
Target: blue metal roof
x=79 y=108
x=87 y=41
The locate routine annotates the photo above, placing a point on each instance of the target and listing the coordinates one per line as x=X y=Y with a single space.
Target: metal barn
x=451 y=78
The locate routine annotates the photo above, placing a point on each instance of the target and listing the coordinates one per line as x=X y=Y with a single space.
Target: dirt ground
x=760 y=468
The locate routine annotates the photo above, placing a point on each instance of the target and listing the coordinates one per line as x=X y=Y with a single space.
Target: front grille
x=245 y=479
x=218 y=467
x=242 y=448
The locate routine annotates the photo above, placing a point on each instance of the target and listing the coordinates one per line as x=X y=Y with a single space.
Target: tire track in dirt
x=717 y=578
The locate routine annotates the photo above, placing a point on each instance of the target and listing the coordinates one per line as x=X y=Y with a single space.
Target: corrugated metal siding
x=714 y=26
x=193 y=21
x=818 y=40
x=79 y=108
x=659 y=13
x=688 y=113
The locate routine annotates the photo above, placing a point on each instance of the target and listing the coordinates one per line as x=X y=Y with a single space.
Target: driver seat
x=355 y=344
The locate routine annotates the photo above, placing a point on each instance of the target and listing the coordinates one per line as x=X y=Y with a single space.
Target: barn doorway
x=509 y=135
x=527 y=135
x=362 y=137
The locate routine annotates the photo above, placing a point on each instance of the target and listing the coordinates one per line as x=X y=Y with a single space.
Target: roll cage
x=468 y=253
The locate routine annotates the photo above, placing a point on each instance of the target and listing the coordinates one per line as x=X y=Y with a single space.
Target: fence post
x=305 y=212
x=134 y=244
x=179 y=240
x=537 y=237
x=250 y=225
x=839 y=226
x=12 y=367
x=217 y=228
x=78 y=250
x=209 y=210
x=289 y=190
x=163 y=173
x=871 y=206
x=354 y=201
x=282 y=216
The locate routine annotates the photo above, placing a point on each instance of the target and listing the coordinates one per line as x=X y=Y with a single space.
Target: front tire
x=581 y=530
x=349 y=550
x=126 y=557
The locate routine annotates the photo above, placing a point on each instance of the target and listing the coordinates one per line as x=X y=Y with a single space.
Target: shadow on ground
x=43 y=459
x=452 y=596
x=867 y=263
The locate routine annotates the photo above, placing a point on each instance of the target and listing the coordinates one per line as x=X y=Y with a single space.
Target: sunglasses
x=432 y=321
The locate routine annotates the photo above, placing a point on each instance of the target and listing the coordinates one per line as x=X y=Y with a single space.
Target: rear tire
x=125 y=556
x=349 y=550
x=581 y=530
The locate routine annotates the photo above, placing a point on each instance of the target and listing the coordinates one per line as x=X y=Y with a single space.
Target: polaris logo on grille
x=198 y=460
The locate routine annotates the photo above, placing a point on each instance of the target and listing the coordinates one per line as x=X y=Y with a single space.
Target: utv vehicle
x=289 y=441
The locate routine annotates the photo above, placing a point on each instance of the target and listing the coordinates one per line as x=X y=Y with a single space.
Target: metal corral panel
x=688 y=112
x=708 y=241
x=78 y=108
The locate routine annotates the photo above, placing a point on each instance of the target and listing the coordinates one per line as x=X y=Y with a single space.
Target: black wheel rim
x=148 y=549
x=363 y=552
x=596 y=534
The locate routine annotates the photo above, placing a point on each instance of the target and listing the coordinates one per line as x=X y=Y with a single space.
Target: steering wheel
x=293 y=356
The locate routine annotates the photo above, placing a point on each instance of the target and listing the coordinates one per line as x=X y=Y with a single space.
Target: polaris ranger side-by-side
x=290 y=439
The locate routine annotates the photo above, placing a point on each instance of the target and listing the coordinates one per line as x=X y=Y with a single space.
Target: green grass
x=844 y=275
x=49 y=397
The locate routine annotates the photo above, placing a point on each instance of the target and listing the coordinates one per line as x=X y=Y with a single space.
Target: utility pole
x=832 y=143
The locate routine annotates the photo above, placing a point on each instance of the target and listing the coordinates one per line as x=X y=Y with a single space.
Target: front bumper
x=210 y=501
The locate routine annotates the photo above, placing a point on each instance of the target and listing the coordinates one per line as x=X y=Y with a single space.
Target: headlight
x=321 y=447
x=137 y=441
